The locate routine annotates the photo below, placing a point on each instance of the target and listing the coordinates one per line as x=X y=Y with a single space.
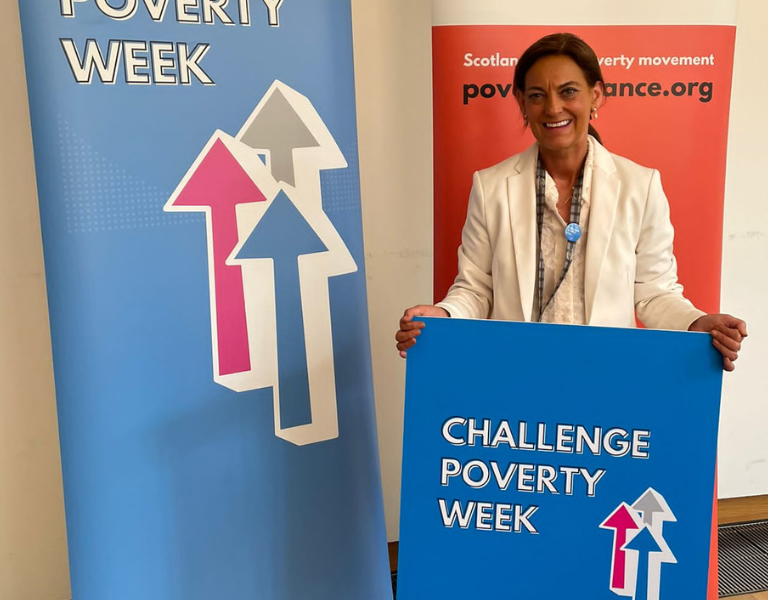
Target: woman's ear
x=598 y=94
x=520 y=97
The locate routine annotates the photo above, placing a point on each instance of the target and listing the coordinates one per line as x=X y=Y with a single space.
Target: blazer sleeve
x=659 y=299
x=471 y=295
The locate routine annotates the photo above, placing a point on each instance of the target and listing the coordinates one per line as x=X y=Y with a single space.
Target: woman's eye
x=535 y=96
x=569 y=92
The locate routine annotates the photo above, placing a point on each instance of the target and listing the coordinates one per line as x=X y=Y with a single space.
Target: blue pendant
x=572 y=232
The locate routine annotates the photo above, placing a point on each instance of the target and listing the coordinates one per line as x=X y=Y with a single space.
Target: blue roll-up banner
x=555 y=461
x=199 y=198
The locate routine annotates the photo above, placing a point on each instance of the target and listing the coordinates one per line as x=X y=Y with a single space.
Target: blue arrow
x=645 y=544
x=283 y=235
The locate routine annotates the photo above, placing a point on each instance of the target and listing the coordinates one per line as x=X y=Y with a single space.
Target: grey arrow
x=280 y=130
x=649 y=504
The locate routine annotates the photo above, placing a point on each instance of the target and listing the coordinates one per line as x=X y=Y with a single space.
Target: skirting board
x=742 y=510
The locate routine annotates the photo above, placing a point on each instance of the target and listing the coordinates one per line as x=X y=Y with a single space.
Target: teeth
x=558 y=124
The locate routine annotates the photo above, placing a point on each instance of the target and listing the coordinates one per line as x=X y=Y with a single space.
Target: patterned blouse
x=568 y=305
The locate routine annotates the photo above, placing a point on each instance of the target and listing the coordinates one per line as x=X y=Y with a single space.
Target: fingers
x=742 y=327
x=730 y=338
x=737 y=324
x=424 y=310
x=407 y=334
x=731 y=355
x=404 y=336
x=403 y=346
x=727 y=336
x=410 y=325
x=414 y=311
x=410 y=329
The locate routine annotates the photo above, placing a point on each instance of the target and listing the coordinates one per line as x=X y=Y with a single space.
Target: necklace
x=572 y=236
x=566 y=203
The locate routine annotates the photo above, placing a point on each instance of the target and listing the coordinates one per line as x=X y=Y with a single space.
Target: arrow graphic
x=622 y=521
x=271 y=252
x=656 y=512
x=215 y=185
x=284 y=235
x=645 y=544
x=304 y=139
x=655 y=509
x=278 y=129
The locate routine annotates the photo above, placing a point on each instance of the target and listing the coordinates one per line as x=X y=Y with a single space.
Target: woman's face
x=558 y=101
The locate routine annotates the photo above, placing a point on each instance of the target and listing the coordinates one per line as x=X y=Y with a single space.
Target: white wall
x=393 y=71
x=33 y=555
x=393 y=68
x=743 y=439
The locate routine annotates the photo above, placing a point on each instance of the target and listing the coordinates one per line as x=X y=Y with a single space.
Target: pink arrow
x=220 y=183
x=621 y=521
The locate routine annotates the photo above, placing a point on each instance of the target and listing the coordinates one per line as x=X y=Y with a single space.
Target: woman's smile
x=558 y=124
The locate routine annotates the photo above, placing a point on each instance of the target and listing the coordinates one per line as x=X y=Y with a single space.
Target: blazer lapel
x=604 y=200
x=521 y=187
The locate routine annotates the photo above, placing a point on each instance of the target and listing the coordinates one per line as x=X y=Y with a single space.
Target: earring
x=525 y=120
x=593 y=114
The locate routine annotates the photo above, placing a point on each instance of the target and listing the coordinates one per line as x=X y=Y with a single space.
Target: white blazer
x=629 y=268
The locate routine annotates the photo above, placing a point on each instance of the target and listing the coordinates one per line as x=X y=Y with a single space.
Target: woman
x=567 y=232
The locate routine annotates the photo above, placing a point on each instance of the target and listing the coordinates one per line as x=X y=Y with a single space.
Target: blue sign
x=199 y=198
x=551 y=461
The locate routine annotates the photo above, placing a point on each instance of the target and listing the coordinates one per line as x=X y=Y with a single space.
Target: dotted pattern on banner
x=99 y=196
x=341 y=187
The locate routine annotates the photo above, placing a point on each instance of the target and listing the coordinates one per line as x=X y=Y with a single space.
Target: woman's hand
x=410 y=330
x=727 y=334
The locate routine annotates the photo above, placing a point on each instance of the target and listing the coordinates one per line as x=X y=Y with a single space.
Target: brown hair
x=561 y=44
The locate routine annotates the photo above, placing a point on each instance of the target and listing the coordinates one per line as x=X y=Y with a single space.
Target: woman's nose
x=552 y=104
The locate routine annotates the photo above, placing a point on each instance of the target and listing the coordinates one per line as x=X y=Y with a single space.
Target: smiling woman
x=558 y=102
x=569 y=64
x=567 y=232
